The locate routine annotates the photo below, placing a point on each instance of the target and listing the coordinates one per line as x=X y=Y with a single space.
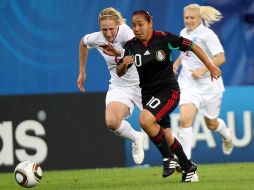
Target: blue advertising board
x=237 y=111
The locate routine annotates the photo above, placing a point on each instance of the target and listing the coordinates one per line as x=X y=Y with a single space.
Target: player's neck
x=146 y=42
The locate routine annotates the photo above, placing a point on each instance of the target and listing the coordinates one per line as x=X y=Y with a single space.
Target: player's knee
x=186 y=122
x=112 y=123
x=211 y=124
x=144 y=121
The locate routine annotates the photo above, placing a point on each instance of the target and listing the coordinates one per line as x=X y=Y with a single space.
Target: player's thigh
x=187 y=114
x=116 y=111
x=119 y=103
x=165 y=122
x=148 y=123
x=162 y=102
x=187 y=97
x=136 y=96
x=212 y=104
x=189 y=105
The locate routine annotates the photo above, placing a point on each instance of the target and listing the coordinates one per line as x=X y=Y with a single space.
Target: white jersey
x=94 y=40
x=209 y=42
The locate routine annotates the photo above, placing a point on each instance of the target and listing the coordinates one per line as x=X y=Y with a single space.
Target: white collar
x=199 y=28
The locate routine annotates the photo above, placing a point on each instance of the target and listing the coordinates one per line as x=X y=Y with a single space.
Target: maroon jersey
x=154 y=61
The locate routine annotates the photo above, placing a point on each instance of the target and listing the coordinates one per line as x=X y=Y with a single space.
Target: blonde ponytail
x=208 y=14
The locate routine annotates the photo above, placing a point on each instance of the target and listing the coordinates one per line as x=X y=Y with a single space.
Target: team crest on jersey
x=160 y=55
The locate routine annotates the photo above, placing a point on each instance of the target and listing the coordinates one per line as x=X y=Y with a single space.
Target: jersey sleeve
x=213 y=43
x=179 y=42
x=91 y=40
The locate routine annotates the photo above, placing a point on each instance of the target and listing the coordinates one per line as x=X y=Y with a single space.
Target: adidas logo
x=147 y=52
x=189 y=176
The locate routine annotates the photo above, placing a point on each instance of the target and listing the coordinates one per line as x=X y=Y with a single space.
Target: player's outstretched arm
x=215 y=71
x=83 y=52
x=110 y=50
x=218 y=60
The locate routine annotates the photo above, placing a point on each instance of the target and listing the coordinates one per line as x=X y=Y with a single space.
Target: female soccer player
x=198 y=92
x=150 y=51
x=124 y=92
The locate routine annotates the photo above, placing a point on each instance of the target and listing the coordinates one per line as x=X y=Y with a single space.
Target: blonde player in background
x=123 y=93
x=198 y=92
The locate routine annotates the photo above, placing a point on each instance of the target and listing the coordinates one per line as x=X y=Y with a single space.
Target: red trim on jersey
x=168 y=105
x=155 y=33
x=160 y=33
x=186 y=42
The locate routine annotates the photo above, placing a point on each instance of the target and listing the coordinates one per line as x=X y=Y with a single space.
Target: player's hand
x=175 y=68
x=198 y=73
x=110 y=50
x=122 y=68
x=215 y=73
x=80 y=81
x=128 y=61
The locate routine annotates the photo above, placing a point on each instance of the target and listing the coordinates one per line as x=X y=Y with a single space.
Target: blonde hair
x=111 y=13
x=208 y=14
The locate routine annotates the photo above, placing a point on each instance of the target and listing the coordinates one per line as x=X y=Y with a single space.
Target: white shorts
x=207 y=104
x=130 y=96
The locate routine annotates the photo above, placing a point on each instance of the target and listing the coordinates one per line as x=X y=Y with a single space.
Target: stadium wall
x=67 y=131
x=237 y=110
x=60 y=131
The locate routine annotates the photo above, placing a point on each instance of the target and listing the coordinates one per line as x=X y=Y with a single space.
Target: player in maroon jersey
x=150 y=51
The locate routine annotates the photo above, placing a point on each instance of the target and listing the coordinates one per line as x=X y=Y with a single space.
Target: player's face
x=141 y=27
x=192 y=19
x=109 y=29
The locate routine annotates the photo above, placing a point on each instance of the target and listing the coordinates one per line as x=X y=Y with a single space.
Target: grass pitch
x=238 y=176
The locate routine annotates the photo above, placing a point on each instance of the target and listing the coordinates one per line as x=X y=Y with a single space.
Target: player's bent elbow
x=221 y=58
x=119 y=72
x=81 y=43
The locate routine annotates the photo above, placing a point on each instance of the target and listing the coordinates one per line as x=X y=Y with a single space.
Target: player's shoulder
x=93 y=39
x=210 y=31
x=159 y=33
x=124 y=28
x=94 y=36
x=206 y=31
x=132 y=41
x=125 y=33
x=183 y=31
x=164 y=34
x=161 y=36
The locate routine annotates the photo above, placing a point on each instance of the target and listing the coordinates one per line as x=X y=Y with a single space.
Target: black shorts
x=161 y=104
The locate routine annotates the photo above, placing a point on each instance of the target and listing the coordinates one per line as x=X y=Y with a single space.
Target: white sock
x=185 y=136
x=175 y=136
x=222 y=130
x=126 y=131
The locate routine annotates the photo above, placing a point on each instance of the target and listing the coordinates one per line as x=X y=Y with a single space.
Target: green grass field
x=238 y=176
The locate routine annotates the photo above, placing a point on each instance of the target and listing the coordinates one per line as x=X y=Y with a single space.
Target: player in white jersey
x=198 y=91
x=123 y=93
